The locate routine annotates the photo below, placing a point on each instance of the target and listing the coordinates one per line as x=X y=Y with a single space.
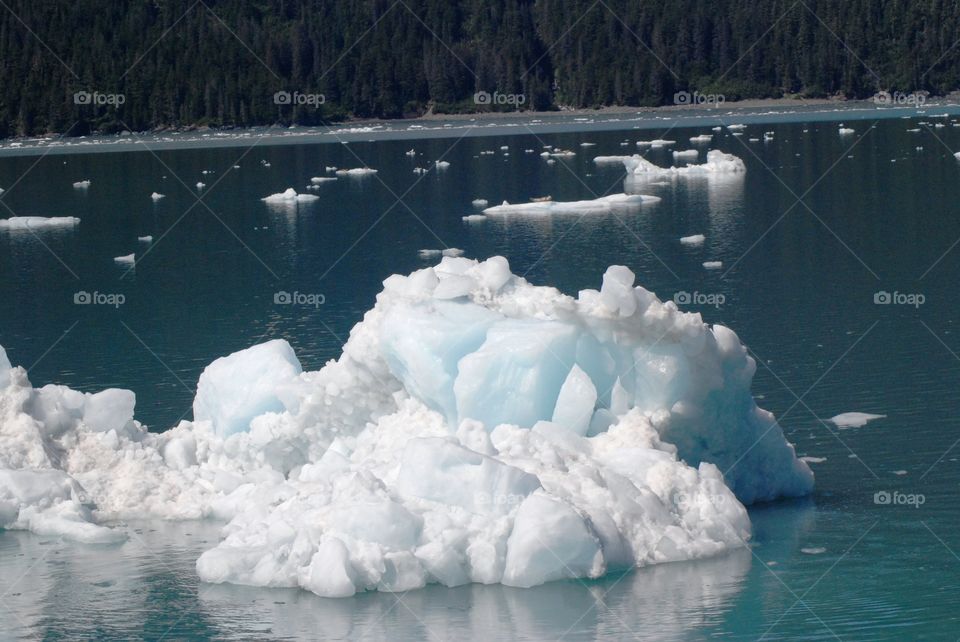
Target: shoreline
x=431 y=126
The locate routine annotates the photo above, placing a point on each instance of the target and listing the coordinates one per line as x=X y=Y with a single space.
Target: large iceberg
x=476 y=428
x=718 y=163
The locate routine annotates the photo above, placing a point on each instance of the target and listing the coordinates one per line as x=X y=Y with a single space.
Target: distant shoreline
x=772 y=111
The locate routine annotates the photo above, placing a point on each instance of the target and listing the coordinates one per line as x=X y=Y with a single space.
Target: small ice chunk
x=702 y=138
x=854 y=419
x=452 y=252
x=713 y=265
x=316 y=180
x=846 y=131
x=689 y=154
x=474 y=218
x=813 y=550
x=127 y=259
x=145 y=239
x=290 y=196
x=201 y=185
x=81 y=185
x=411 y=152
x=480 y=202
x=429 y=254
x=356 y=172
x=37 y=222
x=694 y=240
x=441 y=164
x=813 y=460
x=156 y=196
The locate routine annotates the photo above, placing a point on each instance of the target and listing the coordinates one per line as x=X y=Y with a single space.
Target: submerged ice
x=476 y=428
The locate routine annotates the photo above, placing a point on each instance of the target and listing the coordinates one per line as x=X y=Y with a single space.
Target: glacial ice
x=718 y=163
x=854 y=419
x=37 y=222
x=289 y=195
x=602 y=205
x=476 y=428
x=693 y=240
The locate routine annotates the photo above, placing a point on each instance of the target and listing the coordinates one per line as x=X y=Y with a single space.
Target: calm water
x=798 y=283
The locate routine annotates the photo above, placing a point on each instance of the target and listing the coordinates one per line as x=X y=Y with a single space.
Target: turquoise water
x=798 y=285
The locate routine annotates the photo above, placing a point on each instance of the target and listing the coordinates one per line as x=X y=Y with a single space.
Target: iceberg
x=157 y=196
x=316 y=180
x=290 y=196
x=480 y=202
x=145 y=239
x=355 y=172
x=476 y=428
x=713 y=265
x=687 y=154
x=81 y=184
x=694 y=240
x=602 y=205
x=37 y=222
x=126 y=259
x=718 y=163
x=610 y=160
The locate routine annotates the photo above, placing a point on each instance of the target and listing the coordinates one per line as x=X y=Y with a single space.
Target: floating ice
x=290 y=196
x=441 y=164
x=701 y=139
x=156 y=196
x=854 y=419
x=201 y=185
x=736 y=128
x=846 y=131
x=658 y=142
x=430 y=254
x=81 y=185
x=610 y=160
x=480 y=202
x=690 y=154
x=602 y=205
x=411 y=152
x=452 y=252
x=717 y=163
x=693 y=240
x=127 y=259
x=356 y=172
x=476 y=428
x=713 y=265
x=474 y=218
x=37 y=222
x=145 y=239
x=316 y=180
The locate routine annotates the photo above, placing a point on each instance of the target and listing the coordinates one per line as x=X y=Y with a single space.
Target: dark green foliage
x=220 y=62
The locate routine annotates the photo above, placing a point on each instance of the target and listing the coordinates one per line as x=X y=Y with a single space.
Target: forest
x=111 y=65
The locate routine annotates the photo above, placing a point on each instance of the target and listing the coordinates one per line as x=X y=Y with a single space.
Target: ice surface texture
x=476 y=428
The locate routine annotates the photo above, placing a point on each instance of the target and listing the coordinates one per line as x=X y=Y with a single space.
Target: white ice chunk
x=693 y=240
x=854 y=419
x=156 y=196
x=290 y=196
x=602 y=205
x=81 y=184
x=234 y=389
x=16 y=223
x=126 y=259
x=576 y=401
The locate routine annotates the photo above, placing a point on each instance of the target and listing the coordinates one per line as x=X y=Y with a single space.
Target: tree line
x=111 y=65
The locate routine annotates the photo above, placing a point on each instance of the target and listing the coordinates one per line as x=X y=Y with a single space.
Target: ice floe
x=289 y=195
x=38 y=222
x=356 y=172
x=602 y=205
x=854 y=419
x=718 y=163
x=693 y=240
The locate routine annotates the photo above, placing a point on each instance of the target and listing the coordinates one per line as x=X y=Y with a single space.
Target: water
x=798 y=284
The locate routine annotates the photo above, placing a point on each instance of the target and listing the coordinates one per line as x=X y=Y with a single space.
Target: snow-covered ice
x=854 y=419
x=37 y=222
x=602 y=205
x=289 y=195
x=476 y=428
